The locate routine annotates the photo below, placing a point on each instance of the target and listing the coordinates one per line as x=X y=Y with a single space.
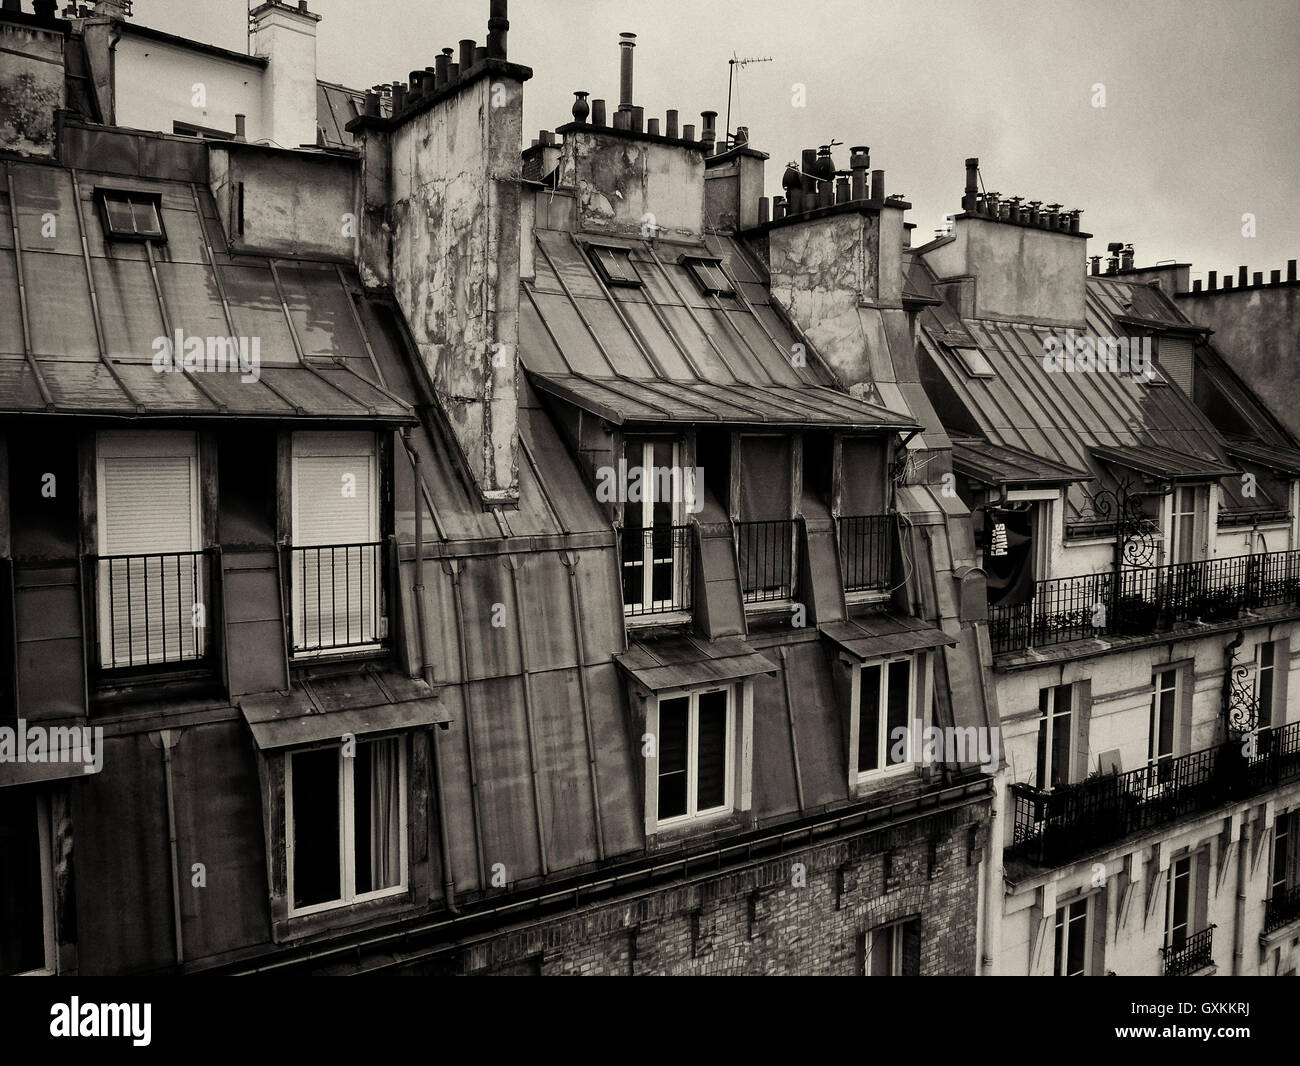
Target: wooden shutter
x=148 y=510
x=1081 y=698
x=1200 y=886
x=1281 y=674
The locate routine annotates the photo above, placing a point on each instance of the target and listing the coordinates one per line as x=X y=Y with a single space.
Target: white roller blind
x=149 y=582
x=333 y=500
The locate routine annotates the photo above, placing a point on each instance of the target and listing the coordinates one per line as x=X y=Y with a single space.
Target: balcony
x=765 y=552
x=657 y=570
x=1146 y=599
x=337 y=597
x=1283 y=908
x=1056 y=827
x=866 y=543
x=1190 y=953
x=153 y=612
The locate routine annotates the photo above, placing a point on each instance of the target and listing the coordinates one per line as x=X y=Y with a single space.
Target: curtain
x=385 y=814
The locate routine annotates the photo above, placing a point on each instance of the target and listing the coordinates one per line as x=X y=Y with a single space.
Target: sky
x=1200 y=124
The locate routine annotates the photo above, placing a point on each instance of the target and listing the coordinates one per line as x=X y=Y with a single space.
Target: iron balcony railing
x=152 y=610
x=1282 y=908
x=337 y=596
x=1189 y=954
x=1057 y=826
x=1146 y=599
x=866 y=543
x=765 y=552
x=657 y=570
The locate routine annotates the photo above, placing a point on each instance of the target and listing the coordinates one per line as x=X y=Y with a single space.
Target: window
x=336 y=566
x=26 y=884
x=656 y=540
x=1055 y=734
x=132 y=215
x=152 y=575
x=1164 y=719
x=708 y=275
x=1074 y=939
x=615 y=265
x=974 y=362
x=694 y=755
x=894 y=950
x=1265 y=675
x=884 y=716
x=1182 y=536
x=1178 y=912
x=346 y=824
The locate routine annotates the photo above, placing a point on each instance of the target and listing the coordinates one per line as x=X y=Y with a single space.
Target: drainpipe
x=167 y=740
x=1238 y=930
x=426 y=671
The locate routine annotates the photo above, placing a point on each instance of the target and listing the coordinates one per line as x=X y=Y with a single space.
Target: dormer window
x=708 y=275
x=974 y=362
x=132 y=216
x=615 y=265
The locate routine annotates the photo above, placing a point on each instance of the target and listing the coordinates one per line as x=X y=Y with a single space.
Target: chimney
x=1112 y=260
x=972 y=185
x=240 y=120
x=466 y=55
x=1126 y=257
x=498 y=24
x=1096 y=265
x=627 y=41
x=860 y=163
x=117 y=9
x=286 y=36
x=708 y=129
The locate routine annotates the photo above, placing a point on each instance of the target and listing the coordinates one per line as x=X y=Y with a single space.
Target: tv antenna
x=732 y=64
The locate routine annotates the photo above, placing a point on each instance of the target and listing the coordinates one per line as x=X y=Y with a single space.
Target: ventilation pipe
x=498 y=24
x=972 y=185
x=627 y=42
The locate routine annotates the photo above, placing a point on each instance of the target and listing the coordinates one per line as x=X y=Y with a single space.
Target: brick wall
x=805 y=913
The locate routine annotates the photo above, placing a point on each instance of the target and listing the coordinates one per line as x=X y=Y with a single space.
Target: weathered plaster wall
x=1022 y=274
x=623 y=184
x=1258 y=332
x=158 y=84
x=31 y=88
x=455 y=264
x=298 y=204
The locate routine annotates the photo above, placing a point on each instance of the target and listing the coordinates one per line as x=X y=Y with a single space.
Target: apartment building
x=1136 y=507
x=477 y=561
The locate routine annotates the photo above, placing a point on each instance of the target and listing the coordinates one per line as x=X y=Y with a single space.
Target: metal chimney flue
x=627 y=42
x=498 y=24
x=466 y=55
x=240 y=119
x=972 y=184
x=670 y=125
x=598 y=112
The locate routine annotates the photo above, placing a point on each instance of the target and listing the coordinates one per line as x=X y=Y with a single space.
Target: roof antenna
x=732 y=64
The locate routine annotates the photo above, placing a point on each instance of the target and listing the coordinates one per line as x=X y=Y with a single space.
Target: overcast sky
x=1200 y=124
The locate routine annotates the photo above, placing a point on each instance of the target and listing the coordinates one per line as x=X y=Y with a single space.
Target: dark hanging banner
x=1008 y=556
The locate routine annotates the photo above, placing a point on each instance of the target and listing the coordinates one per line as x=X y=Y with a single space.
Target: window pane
x=22 y=904
x=1061 y=737
x=316 y=827
x=1044 y=778
x=377 y=810
x=145 y=213
x=672 y=757
x=900 y=704
x=119 y=215
x=869 y=721
x=1078 y=945
x=882 y=952
x=711 y=789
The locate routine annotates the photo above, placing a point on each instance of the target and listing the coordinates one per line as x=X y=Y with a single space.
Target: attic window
x=708 y=275
x=132 y=216
x=975 y=362
x=615 y=265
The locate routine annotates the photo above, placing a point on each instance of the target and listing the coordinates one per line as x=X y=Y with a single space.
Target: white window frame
x=1060 y=957
x=46 y=859
x=692 y=757
x=1172 y=877
x=1050 y=720
x=919 y=681
x=652 y=608
x=894 y=930
x=347 y=829
x=1177 y=519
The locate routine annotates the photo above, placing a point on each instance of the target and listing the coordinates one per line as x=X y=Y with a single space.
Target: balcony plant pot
x=1135 y=616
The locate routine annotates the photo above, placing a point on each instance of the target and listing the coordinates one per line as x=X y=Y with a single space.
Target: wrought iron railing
x=765 y=551
x=1283 y=907
x=866 y=543
x=337 y=596
x=1146 y=599
x=657 y=570
x=152 y=610
x=1189 y=954
x=1057 y=826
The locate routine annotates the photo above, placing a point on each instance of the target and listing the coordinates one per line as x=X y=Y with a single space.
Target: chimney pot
x=453 y=73
x=622 y=117
x=877 y=184
x=480 y=54
x=399 y=96
x=581 y=109
x=466 y=54
x=688 y=132
x=302 y=6
x=1274 y=277
x=778 y=207
x=1290 y=270
x=742 y=136
x=1096 y=265
x=372 y=109
x=241 y=119
x=638 y=119
x=1213 y=281
x=652 y=127
x=498 y=24
x=794 y=201
x=808 y=173
x=762 y=210
x=842 y=188
x=671 y=125
x=1259 y=277
x=1196 y=285
x=972 y=184
x=1241 y=277
x=627 y=42
x=1227 y=283
x=440 y=65
x=598 y=112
